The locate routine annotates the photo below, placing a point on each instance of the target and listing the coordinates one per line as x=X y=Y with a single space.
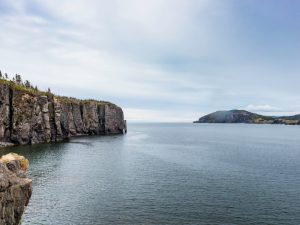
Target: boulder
x=15 y=188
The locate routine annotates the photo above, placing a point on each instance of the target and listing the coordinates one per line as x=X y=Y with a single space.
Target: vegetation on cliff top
x=17 y=84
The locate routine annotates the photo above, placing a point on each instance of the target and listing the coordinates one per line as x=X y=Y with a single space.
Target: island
x=29 y=115
x=243 y=116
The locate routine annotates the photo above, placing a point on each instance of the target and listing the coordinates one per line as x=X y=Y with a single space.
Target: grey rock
x=32 y=117
x=57 y=118
x=77 y=117
x=23 y=106
x=90 y=117
x=4 y=112
x=113 y=119
x=67 y=120
x=40 y=124
x=6 y=144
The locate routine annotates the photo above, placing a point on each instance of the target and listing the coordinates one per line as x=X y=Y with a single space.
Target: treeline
x=17 y=80
x=17 y=83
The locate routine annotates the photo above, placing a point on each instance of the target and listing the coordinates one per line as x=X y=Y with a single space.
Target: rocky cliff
x=243 y=116
x=15 y=188
x=28 y=116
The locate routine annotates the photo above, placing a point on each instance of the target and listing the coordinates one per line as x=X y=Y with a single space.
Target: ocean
x=168 y=173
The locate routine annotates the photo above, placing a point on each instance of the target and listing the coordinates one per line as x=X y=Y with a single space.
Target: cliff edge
x=29 y=116
x=15 y=188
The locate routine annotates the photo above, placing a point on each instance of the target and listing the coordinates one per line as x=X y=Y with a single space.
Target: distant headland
x=243 y=116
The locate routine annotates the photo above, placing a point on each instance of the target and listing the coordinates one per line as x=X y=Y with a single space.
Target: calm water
x=169 y=174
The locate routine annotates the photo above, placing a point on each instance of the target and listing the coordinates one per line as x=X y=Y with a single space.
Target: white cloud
x=262 y=108
x=146 y=115
x=271 y=110
x=140 y=52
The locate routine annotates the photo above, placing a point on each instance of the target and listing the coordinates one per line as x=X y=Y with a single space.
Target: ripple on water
x=168 y=174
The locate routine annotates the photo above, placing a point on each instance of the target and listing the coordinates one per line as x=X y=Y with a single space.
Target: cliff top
x=18 y=85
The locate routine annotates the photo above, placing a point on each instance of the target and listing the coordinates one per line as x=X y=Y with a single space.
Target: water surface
x=168 y=174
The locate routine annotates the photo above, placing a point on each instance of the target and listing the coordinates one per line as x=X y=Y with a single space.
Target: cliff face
x=29 y=118
x=15 y=188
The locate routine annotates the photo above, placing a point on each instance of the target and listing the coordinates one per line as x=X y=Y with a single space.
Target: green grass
x=70 y=100
x=20 y=88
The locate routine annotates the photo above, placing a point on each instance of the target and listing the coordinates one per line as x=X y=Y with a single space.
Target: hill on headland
x=243 y=116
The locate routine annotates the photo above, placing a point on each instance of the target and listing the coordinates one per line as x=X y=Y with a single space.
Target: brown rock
x=15 y=188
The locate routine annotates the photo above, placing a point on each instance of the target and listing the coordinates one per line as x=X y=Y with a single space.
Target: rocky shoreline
x=6 y=144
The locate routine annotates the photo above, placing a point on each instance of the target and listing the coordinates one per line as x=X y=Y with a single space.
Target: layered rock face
x=29 y=118
x=5 y=113
x=15 y=188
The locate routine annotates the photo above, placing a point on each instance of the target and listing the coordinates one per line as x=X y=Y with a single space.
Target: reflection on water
x=168 y=174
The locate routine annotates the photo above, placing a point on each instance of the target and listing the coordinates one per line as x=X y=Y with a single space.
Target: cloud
x=147 y=115
x=165 y=57
x=262 y=108
x=272 y=111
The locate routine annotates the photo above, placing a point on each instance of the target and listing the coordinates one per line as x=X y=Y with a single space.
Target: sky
x=160 y=60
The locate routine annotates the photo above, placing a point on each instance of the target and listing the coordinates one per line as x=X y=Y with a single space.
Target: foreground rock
x=242 y=116
x=28 y=116
x=15 y=188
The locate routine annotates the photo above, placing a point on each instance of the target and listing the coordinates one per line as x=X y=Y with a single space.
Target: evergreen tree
x=27 y=84
x=1 y=75
x=18 y=79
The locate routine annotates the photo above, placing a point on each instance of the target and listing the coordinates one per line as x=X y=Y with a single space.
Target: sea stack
x=15 y=188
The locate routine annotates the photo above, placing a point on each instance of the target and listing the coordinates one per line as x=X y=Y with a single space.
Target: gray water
x=168 y=174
